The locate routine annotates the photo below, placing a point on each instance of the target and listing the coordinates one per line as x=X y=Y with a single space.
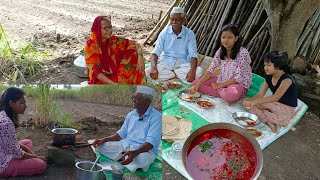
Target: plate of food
x=246 y=119
x=174 y=84
x=204 y=103
x=187 y=96
x=254 y=132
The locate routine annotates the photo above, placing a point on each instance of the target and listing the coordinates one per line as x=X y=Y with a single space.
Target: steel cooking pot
x=64 y=136
x=231 y=127
x=84 y=171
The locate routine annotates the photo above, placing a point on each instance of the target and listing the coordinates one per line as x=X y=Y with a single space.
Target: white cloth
x=177 y=10
x=179 y=70
x=113 y=150
x=146 y=90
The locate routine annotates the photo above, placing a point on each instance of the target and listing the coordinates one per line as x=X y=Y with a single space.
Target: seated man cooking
x=136 y=143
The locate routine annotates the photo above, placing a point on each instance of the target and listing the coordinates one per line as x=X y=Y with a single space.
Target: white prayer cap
x=146 y=90
x=177 y=10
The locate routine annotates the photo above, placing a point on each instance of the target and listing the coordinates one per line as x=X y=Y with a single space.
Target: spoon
x=95 y=162
x=115 y=170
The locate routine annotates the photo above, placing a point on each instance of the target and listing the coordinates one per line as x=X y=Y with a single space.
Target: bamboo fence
x=206 y=17
x=308 y=45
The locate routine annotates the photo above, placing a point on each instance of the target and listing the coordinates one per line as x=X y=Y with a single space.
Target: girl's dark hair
x=236 y=48
x=11 y=94
x=279 y=59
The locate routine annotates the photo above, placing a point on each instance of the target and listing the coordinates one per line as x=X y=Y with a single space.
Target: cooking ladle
x=115 y=170
x=95 y=162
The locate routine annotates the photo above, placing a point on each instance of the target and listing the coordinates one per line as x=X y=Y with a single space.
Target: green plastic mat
x=171 y=105
x=154 y=172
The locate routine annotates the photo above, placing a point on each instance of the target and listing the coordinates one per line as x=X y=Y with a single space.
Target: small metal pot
x=64 y=136
x=84 y=173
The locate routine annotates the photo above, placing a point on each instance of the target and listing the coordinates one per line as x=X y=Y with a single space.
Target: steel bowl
x=242 y=119
x=205 y=100
x=185 y=95
x=174 y=84
x=80 y=67
x=231 y=127
x=84 y=171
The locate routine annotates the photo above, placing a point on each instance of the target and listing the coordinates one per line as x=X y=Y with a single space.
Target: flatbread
x=170 y=125
x=185 y=127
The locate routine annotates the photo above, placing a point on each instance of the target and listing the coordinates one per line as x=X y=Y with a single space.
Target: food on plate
x=205 y=103
x=174 y=84
x=254 y=132
x=189 y=97
x=249 y=121
x=221 y=154
x=164 y=88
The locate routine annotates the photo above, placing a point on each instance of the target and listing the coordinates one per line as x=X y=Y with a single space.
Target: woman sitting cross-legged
x=235 y=74
x=112 y=59
x=278 y=109
x=16 y=158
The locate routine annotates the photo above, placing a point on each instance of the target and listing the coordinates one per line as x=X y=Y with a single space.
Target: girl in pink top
x=235 y=72
x=16 y=158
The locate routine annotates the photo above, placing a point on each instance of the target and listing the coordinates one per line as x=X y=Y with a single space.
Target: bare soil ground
x=98 y=121
x=40 y=21
x=293 y=156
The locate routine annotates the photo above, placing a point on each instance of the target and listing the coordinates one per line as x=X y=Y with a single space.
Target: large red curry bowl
x=199 y=136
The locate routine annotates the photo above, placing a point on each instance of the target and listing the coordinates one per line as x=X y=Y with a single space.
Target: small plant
x=65 y=120
x=25 y=59
x=42 y=105
x=59 y=119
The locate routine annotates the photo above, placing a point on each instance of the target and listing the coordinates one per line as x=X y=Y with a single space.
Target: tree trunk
x=288 y=18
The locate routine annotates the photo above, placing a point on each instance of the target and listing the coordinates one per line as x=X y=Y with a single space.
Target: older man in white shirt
x=177 y=48
x=136 y=143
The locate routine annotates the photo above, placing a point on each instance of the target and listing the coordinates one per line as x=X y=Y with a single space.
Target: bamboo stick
x=256 y=47
x=196 y=14
x=201 y=18
x=206 y=22
x=248 y=22
x=160 y=22
x=213 y=36
x=237 y=12
x=254 y=21
x=210 y=36
x=316 y=36
x=222 y=22
x=261 y=60
x=305 y=33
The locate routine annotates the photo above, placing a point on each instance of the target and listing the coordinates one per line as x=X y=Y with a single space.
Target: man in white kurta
x=177 y=48
x=136 y=143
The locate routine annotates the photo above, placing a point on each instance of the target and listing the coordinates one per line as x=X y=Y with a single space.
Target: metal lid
x=177 y=146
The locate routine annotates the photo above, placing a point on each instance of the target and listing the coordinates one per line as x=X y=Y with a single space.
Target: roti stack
x=174 y=128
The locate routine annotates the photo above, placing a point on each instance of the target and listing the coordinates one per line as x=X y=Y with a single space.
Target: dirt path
x=25 y=18
x=39 y=22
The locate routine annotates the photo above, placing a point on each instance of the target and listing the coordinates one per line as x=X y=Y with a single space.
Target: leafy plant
x=42 y=105
x=59 y=119
x=24 y=59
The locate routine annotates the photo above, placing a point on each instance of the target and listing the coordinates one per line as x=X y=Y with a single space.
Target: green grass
x=59 y=119
x=42 y=104
x=26 y=58
x=47 y=107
